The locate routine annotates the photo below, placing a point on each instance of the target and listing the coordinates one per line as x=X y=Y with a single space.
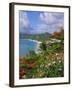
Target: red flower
x=32 y=65
x=21 y=72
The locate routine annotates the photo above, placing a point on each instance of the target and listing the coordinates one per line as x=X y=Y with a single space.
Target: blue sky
x=34 y=22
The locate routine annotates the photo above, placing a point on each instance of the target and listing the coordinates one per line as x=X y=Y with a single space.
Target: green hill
x=40 y=37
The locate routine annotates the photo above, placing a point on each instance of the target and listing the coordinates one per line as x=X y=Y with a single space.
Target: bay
x=25 y=46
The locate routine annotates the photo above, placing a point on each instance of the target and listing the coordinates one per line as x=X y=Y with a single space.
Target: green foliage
x=46 y=63
x=57 y=69
x=39 y=37
x=23 y=66
x=32 y=57
x=43 y=46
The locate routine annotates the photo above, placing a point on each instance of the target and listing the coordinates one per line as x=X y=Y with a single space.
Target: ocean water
x=25 y=46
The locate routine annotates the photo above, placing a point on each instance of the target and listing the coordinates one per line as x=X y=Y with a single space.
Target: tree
x=43 y=46
x=60 y=34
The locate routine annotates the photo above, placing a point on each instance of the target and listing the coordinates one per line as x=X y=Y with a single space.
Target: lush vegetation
x=48 y=63
x=39 y=37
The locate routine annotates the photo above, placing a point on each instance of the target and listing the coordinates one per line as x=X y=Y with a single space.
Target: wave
x=37 y=49
x=33 y=40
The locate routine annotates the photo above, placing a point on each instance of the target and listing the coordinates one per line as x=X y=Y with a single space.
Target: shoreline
x=33 y=40
x=38 y=45
x=36 y=48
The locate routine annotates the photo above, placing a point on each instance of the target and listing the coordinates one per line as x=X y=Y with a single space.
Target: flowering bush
x=48 y=63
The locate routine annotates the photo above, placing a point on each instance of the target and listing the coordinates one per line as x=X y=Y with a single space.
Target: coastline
x=33 y=40
x=38 y=45
x=37 y=48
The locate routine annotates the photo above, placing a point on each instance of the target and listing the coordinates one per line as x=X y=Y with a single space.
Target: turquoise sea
x=25 y=46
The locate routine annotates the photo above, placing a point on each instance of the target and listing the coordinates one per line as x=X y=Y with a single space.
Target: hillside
x=40 y=37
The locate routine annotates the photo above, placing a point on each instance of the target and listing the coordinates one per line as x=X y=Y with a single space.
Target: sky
x=36 y=22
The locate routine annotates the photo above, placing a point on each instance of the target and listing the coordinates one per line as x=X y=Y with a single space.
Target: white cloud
x=47 y=18
x=51 y=18
x=41 y=28
x=24 y=21
x=52 y=21
x=49 y=22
